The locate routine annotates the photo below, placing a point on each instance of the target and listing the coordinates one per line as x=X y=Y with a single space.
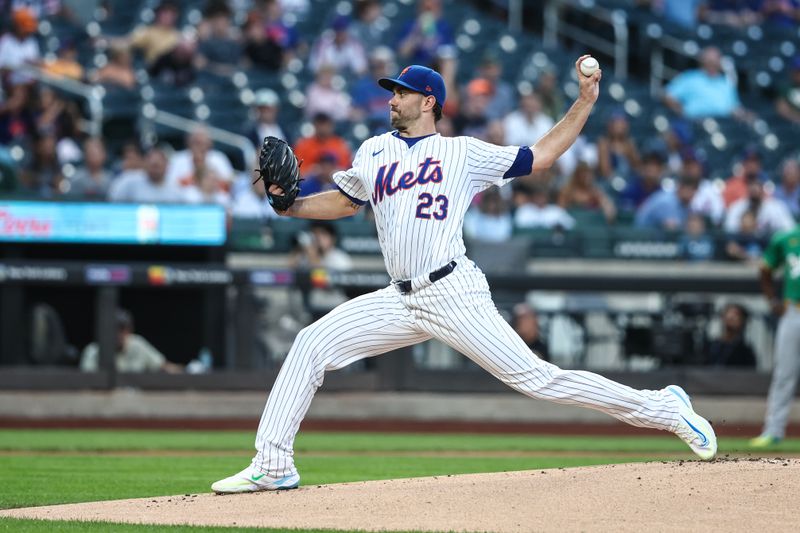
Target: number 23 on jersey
x=429 y=206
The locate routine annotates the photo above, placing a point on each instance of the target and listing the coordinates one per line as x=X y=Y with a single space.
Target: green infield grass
x=43 y=440
x=12 y=525
x=42 y=467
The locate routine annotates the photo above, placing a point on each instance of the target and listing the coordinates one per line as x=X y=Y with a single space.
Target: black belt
x=404 y=286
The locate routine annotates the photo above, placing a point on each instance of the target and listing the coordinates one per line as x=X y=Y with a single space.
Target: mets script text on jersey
x=429 y=171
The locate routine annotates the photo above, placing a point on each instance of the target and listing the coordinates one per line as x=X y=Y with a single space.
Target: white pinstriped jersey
x=421 y=193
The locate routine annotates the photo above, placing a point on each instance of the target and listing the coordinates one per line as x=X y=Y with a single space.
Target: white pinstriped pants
x=457 y=310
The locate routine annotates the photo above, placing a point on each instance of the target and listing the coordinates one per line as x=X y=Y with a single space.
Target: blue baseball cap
x=751 y=151
x=340 y=23
x=419 y=79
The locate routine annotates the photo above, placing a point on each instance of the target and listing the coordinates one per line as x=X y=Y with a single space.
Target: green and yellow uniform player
x=783 y=253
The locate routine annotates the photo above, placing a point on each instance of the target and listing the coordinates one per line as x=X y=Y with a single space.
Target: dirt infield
x=725 y=495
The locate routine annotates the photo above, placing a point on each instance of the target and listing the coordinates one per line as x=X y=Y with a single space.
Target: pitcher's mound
x=728 y=495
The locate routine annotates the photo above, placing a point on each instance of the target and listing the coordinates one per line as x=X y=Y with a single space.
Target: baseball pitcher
x=420 y=185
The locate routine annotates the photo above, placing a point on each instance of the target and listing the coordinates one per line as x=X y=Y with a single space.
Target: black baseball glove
x=279 y=167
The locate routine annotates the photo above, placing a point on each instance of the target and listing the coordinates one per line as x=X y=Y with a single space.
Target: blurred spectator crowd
x=315 y=87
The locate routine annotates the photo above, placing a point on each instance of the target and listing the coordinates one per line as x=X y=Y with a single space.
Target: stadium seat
x=595 y=242
x=588 y=218
x=121 y=108
x=173 y=100
x=211 y=81
x=275 y=236
x=246 y=234
x=120 y=103
x=121 y=17
x=260 y=78
x=226 y=110
x=551 y=243
x=500 y=257
x=357 y=236
x=284 y=233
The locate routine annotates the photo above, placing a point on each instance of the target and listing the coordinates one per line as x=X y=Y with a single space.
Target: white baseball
x=589 y=66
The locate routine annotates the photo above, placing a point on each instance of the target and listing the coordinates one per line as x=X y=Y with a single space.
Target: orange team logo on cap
x=404 y=71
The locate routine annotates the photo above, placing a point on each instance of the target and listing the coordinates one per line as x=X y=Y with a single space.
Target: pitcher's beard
x=397 y=122
x=402 y=122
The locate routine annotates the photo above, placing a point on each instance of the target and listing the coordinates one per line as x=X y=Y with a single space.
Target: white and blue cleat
x=251 y=480
x=692 y=428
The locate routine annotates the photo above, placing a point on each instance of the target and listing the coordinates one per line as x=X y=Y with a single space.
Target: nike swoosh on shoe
x=700 y=433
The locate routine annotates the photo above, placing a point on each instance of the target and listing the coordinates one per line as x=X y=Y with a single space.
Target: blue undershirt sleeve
x=523 y=164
